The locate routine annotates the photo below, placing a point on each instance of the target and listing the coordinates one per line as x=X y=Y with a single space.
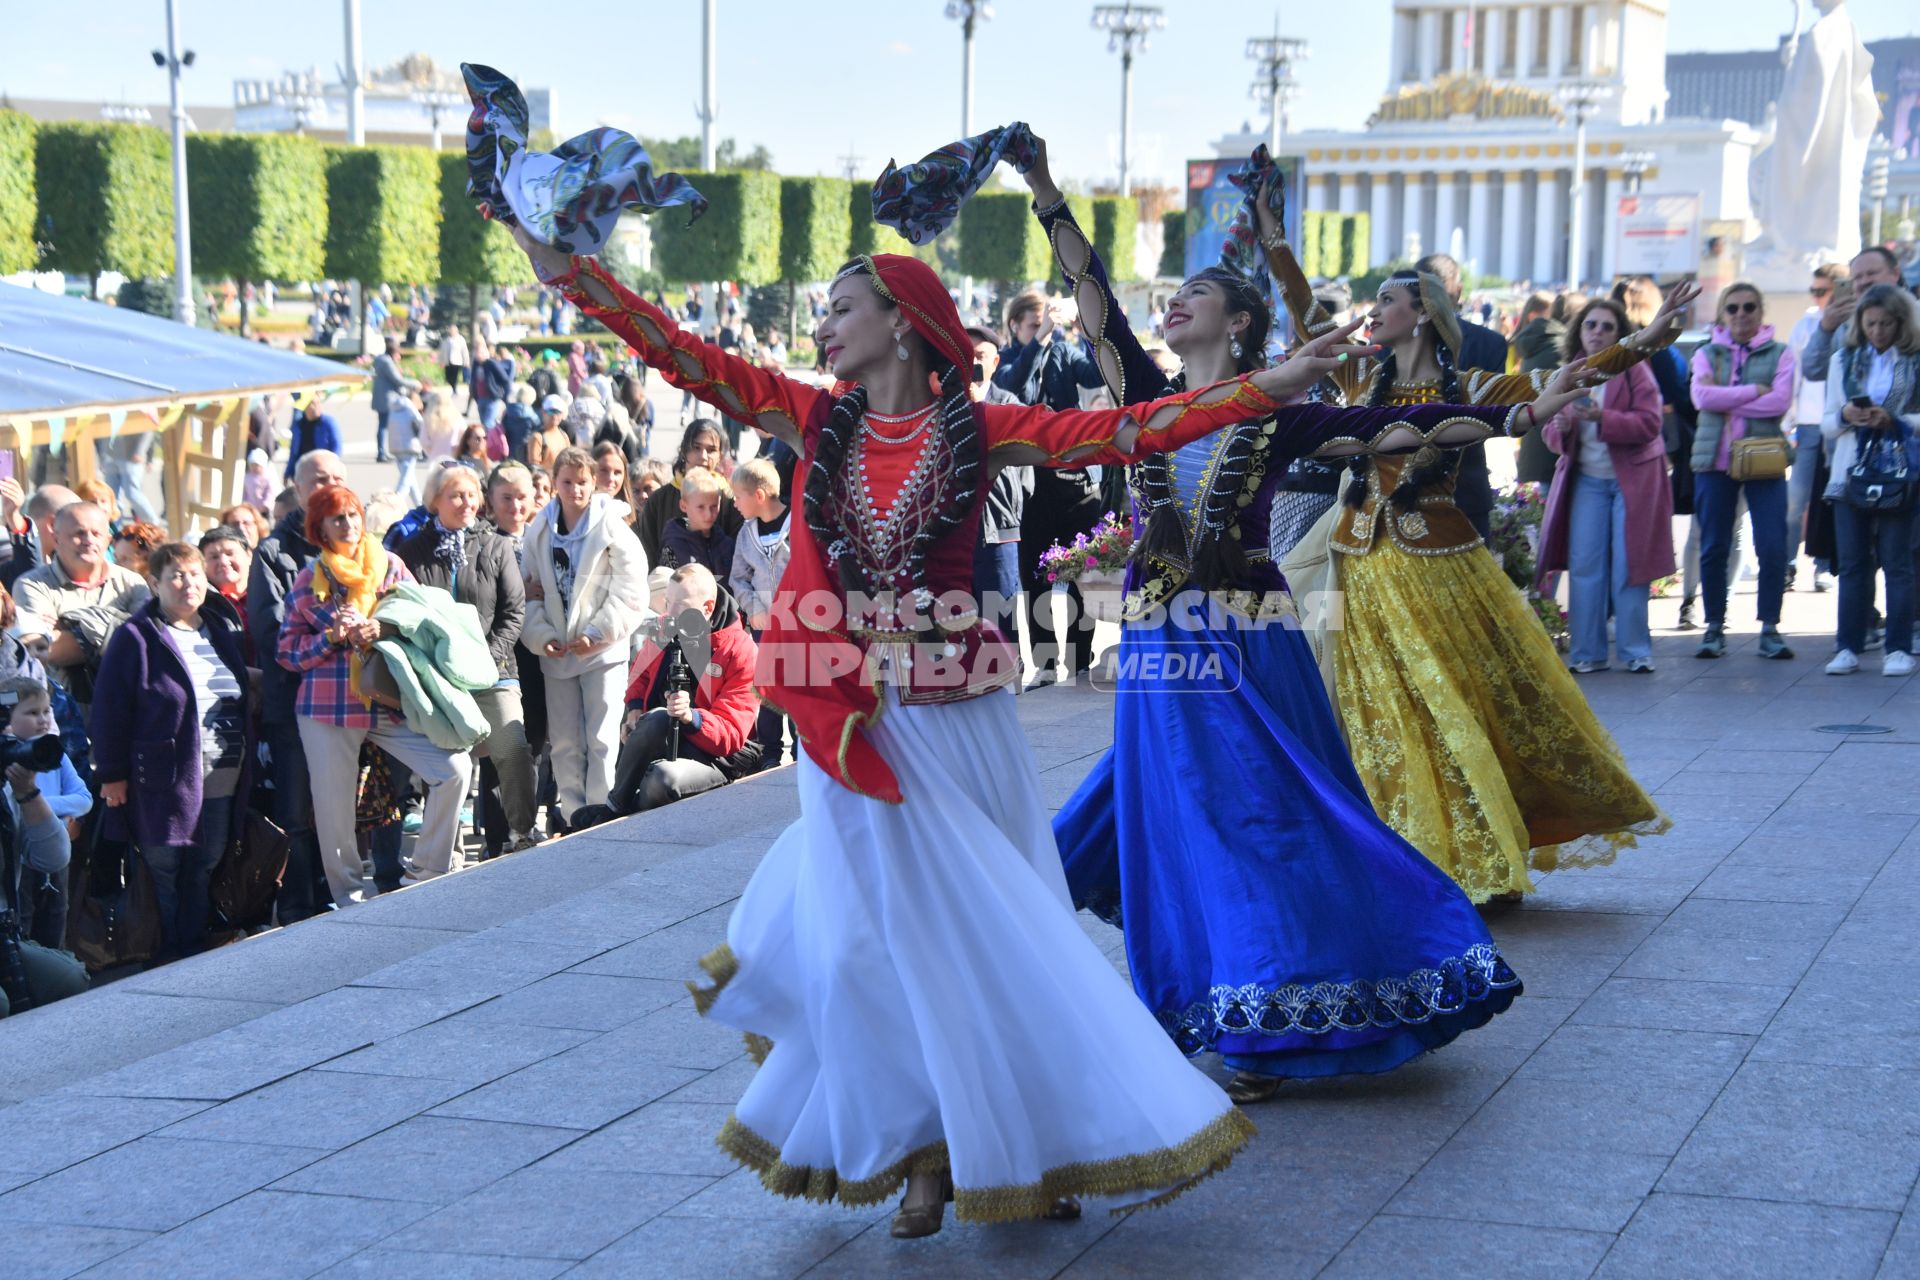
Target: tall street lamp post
x=1127 y=27
x=1276 y=86
x=173 y=60
x=1580 y=97
x=968 y=13
x=436 y=103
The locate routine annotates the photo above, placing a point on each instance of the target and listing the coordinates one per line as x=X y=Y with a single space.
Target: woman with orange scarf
x=327 y=635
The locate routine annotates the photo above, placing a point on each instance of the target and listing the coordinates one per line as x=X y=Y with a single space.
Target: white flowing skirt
x=933 y=1004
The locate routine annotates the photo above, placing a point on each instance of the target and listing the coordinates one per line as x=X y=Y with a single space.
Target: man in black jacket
x=277 y=561
x=1481 y=348
x=1043 y=364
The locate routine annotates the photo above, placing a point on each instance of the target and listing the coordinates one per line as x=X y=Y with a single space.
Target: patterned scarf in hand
x=922 y=200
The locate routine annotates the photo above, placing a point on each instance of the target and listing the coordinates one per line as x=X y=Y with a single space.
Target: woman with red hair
x=936 y=1015
x=328 y=634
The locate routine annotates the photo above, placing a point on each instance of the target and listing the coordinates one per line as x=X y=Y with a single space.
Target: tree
x=673 y=155
x=1116 y=224
x=816 y=226
x=258 y=204
x=1173 y=253
x=384 y=226
x=737 y=239
x=105 y=199
x=474 y=251
x=727 y=156
x=17 y=250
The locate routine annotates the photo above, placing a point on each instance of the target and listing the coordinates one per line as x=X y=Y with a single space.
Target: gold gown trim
x=1170 y=1170
x=1471 y=738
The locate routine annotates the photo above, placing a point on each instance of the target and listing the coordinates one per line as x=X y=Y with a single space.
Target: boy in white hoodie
x=586 y=578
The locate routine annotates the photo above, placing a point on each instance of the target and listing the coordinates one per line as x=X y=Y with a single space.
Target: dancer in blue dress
x=1270 y=915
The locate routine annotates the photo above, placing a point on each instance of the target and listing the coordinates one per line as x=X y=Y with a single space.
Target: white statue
x=1806 y=185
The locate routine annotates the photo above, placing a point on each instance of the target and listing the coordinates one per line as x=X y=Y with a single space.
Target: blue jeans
x=491 y=411
x=1714 y=499
x=1858 y=536
x=182 y=873
x=996 y=584
x=1597 y=573
x=380 y=432
x=1806 y=461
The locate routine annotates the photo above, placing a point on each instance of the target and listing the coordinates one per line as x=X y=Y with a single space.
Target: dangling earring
x=900 y=351
x=1417 y=322
x=1234 y=348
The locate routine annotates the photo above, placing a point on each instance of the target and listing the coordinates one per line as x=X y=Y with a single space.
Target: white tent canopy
x=74 y=371
x=59 y=355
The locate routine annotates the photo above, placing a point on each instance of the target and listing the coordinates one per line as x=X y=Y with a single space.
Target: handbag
x=248 y=876
x=376 y=682
x=1758 y=458
x=114 y=918
x=497 y=443
x=1879 y=478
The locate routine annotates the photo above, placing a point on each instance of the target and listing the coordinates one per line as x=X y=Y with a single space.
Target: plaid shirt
x=326 y=689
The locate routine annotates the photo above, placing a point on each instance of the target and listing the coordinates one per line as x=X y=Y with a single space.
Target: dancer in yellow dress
x=1471 y=738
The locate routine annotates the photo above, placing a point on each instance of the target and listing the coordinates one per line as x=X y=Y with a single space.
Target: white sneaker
x=1897 y=664
x=1845 y=663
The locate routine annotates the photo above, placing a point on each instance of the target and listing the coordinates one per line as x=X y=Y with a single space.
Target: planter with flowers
x=1094 y=562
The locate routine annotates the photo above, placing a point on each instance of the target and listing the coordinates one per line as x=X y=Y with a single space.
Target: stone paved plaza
x=500 y=1073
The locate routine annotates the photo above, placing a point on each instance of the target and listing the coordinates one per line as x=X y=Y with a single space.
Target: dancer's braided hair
x=1406 y=494
x=962 y=433
x=1219 y=561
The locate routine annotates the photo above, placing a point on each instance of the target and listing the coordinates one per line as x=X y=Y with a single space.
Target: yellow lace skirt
x=1471 y=737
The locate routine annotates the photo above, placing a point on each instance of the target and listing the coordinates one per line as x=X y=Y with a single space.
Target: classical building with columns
x=1471 y=149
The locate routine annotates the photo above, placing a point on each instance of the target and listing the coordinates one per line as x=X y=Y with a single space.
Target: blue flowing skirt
x=1270 y=915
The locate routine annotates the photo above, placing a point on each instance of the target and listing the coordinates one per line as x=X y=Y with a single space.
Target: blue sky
x=813 y=82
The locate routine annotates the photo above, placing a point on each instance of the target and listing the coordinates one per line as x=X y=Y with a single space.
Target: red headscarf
x=911 y=285
x=817 y=675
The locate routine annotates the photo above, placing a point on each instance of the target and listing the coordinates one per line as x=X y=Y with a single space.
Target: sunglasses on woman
x=1742 y=308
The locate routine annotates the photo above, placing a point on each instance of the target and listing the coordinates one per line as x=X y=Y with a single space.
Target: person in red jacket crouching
x=715 y=720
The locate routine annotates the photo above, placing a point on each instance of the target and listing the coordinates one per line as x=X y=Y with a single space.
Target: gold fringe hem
x=758 y=1047
x=722 y=966
x=1177 y=1169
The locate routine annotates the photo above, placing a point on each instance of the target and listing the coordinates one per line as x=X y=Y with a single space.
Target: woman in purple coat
x=171 y=736
x=1609 y=520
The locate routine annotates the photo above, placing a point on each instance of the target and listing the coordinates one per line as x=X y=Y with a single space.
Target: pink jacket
x=1630 y=427
x=1740 y=401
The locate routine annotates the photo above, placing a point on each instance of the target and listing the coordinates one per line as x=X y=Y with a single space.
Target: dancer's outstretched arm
x=735 y=386
x=1126 y=368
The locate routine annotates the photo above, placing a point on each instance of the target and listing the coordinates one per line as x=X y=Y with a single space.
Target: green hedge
x=1334 y=244
x=1116 y=225
x=385 y=207
x=258 y=202
x=17 y=250
x=816 y=226
x=1001 y=240
x=473 y=250
x=105 y=199
x=1173 y=252
x=738 y=238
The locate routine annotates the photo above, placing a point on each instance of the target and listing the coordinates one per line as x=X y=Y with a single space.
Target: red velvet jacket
x=723 y=694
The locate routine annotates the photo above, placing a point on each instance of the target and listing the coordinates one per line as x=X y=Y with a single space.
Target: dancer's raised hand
x=1040 y=178
x=1679 y=298
x=1311 y=362
x=548 y=262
